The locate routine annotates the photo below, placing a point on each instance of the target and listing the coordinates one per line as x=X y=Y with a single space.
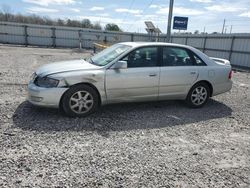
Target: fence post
x=105 y=40
x=25 y=35
x=231 y=48
x=80 y=39
x=53 y=37
x=204 y=44
x=186 y=40
x=132 y=37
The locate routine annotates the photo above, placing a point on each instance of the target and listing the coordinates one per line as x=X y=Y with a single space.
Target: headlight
x=46 y=82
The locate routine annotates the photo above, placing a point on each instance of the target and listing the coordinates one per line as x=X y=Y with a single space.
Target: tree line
x=35 y=19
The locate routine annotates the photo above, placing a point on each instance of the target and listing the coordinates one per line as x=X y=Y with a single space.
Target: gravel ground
x=156 y=144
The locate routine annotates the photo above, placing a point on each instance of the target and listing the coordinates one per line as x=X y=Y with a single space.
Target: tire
x=198 y=95
x=80 y=101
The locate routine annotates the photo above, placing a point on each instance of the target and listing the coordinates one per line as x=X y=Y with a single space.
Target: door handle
x=193 y=72
x=153 y=74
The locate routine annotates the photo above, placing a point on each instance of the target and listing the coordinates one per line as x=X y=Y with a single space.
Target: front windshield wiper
x=92 y=62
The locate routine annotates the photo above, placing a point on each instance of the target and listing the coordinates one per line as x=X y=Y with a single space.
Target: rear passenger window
x=198 y=61
x=177 y=57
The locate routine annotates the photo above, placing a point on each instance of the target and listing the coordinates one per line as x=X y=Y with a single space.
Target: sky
x=130 y=15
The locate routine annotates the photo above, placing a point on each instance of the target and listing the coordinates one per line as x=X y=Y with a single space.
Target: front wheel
x=198 y=95
x=80 y=101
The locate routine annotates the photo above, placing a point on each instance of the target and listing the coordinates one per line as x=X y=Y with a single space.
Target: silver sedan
x=130 y=72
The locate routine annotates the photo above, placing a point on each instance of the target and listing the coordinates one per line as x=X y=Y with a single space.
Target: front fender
x=93 y=77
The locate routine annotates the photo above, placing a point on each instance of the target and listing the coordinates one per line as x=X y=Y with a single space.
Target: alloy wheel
x=81 y=102
x=199 y=95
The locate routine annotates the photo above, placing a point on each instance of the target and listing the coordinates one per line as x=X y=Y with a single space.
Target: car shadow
x=118 y=117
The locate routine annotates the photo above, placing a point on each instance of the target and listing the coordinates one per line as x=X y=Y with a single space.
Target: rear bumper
x=46 y=97
x=222 y=87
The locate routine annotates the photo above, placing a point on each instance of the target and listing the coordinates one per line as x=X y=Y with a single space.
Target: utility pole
x=231 y=28
x=170 y=13
x=224 y=22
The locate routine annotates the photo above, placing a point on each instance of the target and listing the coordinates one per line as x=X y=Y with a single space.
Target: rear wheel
x=198 y=95
x=80 y=101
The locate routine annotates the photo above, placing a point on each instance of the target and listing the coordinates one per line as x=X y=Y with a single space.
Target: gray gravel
x=161 y=144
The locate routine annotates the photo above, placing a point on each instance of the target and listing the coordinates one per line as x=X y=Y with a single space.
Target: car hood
x=65 y=66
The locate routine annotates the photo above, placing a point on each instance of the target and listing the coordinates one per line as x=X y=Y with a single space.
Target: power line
x=144 y=10
x=130 y=6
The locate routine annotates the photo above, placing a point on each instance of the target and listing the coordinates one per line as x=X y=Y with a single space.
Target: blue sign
x=180 y=23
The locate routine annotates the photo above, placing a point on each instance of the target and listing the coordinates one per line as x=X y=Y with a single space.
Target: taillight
x=230 y=74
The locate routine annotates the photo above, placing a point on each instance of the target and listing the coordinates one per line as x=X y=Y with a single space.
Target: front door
x=140 y=81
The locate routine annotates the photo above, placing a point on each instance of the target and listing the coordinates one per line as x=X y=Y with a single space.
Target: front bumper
x=46 y=97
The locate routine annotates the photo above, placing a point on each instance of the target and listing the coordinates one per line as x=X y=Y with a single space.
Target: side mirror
x=120 y=65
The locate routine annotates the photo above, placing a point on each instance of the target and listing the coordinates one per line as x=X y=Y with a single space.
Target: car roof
x=138 y=44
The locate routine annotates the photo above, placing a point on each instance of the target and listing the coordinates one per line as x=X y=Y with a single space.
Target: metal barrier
x=235 y=47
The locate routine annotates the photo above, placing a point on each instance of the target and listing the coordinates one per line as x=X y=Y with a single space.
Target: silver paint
x=132 y=84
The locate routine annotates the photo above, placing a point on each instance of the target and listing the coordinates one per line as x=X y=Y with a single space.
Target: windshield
x=108 y=55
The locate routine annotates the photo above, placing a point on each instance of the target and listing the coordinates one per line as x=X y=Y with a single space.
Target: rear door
x=177 y=73
x=140 y=81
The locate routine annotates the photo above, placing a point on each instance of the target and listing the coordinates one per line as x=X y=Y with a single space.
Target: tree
x=112 y=27
x=48 y=21
x=97 y=26
x=69 y=22
x=86 y=23
x=196 y=32
x=5 y=15
x=6 y=10
x=60 y=22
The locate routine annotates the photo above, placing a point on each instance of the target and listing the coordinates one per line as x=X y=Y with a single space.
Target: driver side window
x=142 y=57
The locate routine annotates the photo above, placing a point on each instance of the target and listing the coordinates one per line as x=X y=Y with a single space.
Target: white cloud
x=245 y=14
x=34 y=10
x=101 y=19
x=75 y=10
x=103 y=14
x=154 y=6
x=131 y=11
x=138 y=15
x=202 y=1
x=130 y=25
x=96 y=8
x=225 y=8
x=180 y=11
x=48 y=2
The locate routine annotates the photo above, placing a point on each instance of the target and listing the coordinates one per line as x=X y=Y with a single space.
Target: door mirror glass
x=120 y=65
